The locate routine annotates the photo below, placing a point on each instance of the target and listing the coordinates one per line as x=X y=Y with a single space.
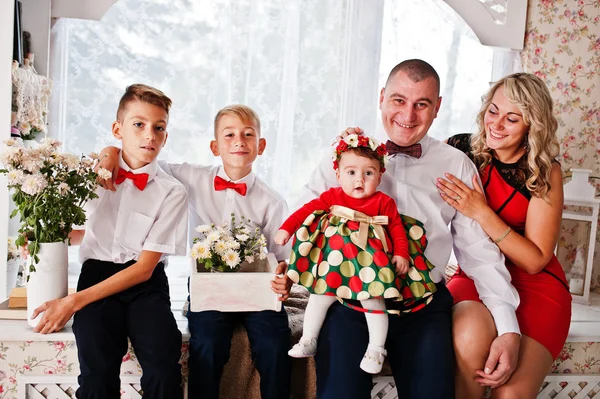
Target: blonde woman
x=520 y=208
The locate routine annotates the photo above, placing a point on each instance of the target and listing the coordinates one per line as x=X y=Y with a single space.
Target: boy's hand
x=56 y=314
x=282 y=237
x=347 y=132
x=401 y=264
x=282 y=284
x=109 y=160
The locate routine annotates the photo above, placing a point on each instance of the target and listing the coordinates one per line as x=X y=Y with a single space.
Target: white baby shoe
x=372 y=361
x=304 y=348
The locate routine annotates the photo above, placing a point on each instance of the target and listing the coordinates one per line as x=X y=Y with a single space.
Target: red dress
x=544 y=313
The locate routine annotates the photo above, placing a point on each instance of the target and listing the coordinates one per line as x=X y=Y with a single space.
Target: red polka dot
x=380 y=259
x=355 y=284
x=329 y=293
x=313 y=226
x=375 y=244
x=423 y=241
x=420 y=263
x=406 y=293
x=302 y=265
x=320 y=258
x=334 y=280
x=352 y=225
x=336 y=242
x=320 y=240
x=350 y=250
x=418 y=307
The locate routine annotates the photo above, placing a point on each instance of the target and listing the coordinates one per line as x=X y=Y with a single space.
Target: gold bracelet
x=503 y=236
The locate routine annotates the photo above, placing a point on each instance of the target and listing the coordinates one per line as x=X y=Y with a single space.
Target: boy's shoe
x=372 y=361
x=304 y=348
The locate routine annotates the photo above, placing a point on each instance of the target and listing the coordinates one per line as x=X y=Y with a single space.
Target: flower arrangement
x=356 y=141
x=224 y=248
x=49 y=191
x=13 y=250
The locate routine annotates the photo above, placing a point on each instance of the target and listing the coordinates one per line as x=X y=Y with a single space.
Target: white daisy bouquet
x=49 y=190
x=13 y=250
x=224 y=248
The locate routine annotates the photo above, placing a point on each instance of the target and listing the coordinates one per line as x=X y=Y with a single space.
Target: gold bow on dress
x=363 y=230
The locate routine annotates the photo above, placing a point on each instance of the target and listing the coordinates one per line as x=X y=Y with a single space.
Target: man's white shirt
x=412 y=183
x=122 y=224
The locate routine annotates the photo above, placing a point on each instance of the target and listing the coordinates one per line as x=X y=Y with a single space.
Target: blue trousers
x=419 y=349
x=210 y=342
x=141 y=313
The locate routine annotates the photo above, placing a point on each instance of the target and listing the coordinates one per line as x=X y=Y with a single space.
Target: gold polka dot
x=392 y=293
x=343 y=230
x=364 y=258
x=314 y=254
x=415 y=232
x=293 y=257
x=376 y=288
x=302 y=234
x=308 y=221
x=343 y=292
x=306 y=279
x=414 y=274
x=323 y=268
x=386 y=275
x=320 y=286
x=305 y=248
x=335 y=258
x=347 y=269
x=293 y=275
x=361 y=296
x=417 y=289
x=329 y=231
x=366 y=275
x=354 y=238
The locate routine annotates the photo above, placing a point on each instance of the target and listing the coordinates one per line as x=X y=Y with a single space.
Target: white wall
x=35 y=19
x=6 y=51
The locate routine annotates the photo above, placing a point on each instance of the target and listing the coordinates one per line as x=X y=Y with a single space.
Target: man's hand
x=401 y=264
x=282 y=237
x=109 y=160
x=282 y=284
x=501 y=362
x=56 y=314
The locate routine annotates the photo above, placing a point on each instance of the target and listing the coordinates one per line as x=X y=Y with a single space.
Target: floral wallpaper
x=562 y=46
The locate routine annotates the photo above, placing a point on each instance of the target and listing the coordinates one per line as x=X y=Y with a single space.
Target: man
x=419 y=344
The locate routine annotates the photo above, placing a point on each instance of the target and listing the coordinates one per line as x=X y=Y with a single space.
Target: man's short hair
x=146 y=94
x=417 y=70
x=243 y=112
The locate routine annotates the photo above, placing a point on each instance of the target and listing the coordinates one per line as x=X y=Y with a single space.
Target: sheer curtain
x=308 y=67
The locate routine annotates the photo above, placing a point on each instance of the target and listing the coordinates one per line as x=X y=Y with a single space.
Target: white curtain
x=308 y=67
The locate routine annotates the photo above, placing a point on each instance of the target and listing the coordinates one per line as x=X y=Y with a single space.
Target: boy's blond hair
x=146 y=94
x=243 y=112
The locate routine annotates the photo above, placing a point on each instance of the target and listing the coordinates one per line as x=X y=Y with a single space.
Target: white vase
x=49 y=281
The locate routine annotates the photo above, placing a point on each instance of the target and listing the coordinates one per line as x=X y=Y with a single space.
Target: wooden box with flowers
x=231 y=270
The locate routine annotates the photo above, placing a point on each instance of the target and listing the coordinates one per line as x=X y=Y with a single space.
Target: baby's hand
x=401 y=264
x=282 y=237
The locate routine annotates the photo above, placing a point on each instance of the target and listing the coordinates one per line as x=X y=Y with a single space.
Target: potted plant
x=234 y=247
x=49 y=190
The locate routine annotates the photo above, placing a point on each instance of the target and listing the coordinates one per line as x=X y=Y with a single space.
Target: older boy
x=122 y=290
x=215 y=192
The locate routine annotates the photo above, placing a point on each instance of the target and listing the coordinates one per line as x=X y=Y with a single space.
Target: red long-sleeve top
x=376 y=205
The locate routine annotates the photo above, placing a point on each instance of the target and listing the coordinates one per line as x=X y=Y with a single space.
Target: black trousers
x=141 y=313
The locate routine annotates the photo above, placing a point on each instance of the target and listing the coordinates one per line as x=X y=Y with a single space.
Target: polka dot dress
x=327 y=260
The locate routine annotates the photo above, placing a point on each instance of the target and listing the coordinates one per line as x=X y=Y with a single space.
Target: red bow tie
x=139 y=180
x=222 y=184
x=411 y=150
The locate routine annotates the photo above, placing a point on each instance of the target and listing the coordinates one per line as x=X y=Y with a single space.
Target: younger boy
x=122 y=290
x=215 y=192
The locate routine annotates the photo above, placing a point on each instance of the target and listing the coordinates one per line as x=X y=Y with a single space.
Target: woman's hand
x=458 y=195
x=348 y=132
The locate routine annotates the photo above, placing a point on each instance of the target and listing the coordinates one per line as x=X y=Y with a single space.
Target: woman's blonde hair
x=531 y=96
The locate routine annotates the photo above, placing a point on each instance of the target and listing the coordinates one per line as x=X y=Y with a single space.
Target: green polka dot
x=306 y=279
x=320 y=287
x=376 y=288
x=364 y=258
x=314 y=254
x=347 y=269
x=386 y=275
x=417 y=289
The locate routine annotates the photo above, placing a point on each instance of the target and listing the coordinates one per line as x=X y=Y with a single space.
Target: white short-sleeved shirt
x=412 y=183
x=265 y=208
x=122 y=224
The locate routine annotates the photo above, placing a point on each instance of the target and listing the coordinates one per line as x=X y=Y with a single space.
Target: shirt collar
x=249 y=179
x=150 y=169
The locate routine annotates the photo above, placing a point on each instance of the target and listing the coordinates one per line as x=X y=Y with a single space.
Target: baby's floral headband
x=356 y=141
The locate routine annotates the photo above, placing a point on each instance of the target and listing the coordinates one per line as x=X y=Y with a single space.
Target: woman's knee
x=473 y=331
